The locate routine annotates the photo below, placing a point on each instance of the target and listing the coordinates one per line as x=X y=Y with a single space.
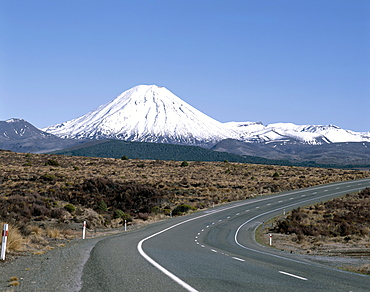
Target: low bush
x=70 y=208
x=52 y=162
x=118 y=214
x=183 y=208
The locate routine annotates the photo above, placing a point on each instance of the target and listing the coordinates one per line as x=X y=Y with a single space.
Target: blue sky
x=305 y=62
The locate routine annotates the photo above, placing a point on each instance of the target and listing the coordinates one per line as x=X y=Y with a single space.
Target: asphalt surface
x=215 y=250
x=212 y=250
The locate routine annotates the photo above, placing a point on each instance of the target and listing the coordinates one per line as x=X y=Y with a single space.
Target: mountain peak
x=146 y=113
x=150 y=113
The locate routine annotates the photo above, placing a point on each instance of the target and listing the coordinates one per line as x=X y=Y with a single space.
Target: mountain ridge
x=148 y=113
x=21 y=136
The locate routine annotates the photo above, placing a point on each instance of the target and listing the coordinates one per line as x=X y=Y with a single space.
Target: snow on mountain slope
x=146 y=113
x=154 y=114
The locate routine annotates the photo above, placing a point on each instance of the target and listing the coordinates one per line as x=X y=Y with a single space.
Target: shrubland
x=56 y=191
x=340 y=226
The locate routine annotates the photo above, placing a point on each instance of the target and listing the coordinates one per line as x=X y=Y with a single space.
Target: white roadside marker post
x=270 y=239
x=3 y=242
x=84 y=230
x=284 y=212
x=125 y=225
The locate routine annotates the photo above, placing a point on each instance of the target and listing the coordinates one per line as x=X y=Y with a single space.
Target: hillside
x=350 y=154
x=21 y=136
x=61 y=191
x=153 y=151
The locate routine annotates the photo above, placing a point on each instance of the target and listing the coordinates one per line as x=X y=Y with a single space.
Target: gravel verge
x=57 y=270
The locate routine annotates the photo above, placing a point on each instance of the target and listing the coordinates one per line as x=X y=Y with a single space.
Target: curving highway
x=215 y=250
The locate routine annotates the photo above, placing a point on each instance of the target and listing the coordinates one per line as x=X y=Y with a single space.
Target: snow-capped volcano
x=146 y=113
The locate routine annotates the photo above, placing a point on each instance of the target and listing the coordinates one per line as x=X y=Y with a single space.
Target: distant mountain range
x=348 y=153
x=20 y=136
x=148 y=113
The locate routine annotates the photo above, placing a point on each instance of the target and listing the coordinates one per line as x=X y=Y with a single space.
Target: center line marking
x=238 y=259
x=292 y=275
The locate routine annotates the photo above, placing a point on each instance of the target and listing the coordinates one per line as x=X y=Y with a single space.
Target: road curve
x=215 y=250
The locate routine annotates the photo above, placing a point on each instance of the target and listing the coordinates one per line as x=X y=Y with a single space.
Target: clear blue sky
x=305 y=62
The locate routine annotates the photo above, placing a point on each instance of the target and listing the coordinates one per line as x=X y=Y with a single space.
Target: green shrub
x=183 y=208
x=118 y=214
x=184 y=163
x=102 y=206
x=47 y=177
x=124 y=157
x=70 y=208
x=52 y=162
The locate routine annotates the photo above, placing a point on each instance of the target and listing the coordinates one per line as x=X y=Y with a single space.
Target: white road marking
x=213 y=250
x=292 y=275
x=228 y=217
x=303 y=195
x=291 y=199
x=187 y=286
x=246 y=210
x=237 y=214
x=220 y=220
x=280 y=201
x=238 y=259
x=269 y=204
x=257 y=207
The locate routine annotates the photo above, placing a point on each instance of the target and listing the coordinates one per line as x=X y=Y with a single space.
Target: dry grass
x=53 y=232
x=33 y=192
x=14 y=283
x=34 y=229
x=15 y=241
x=339 y=227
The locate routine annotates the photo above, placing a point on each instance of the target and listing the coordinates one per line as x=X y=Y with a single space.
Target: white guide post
x=4 y=240
x=125 y=225
x=270 y=239
x=84 y=230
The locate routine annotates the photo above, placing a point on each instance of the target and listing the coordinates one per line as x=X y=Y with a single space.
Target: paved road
x=215 y=250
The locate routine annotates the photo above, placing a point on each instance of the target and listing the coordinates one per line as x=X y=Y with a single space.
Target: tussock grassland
x=60 y=192
x=339 y=227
